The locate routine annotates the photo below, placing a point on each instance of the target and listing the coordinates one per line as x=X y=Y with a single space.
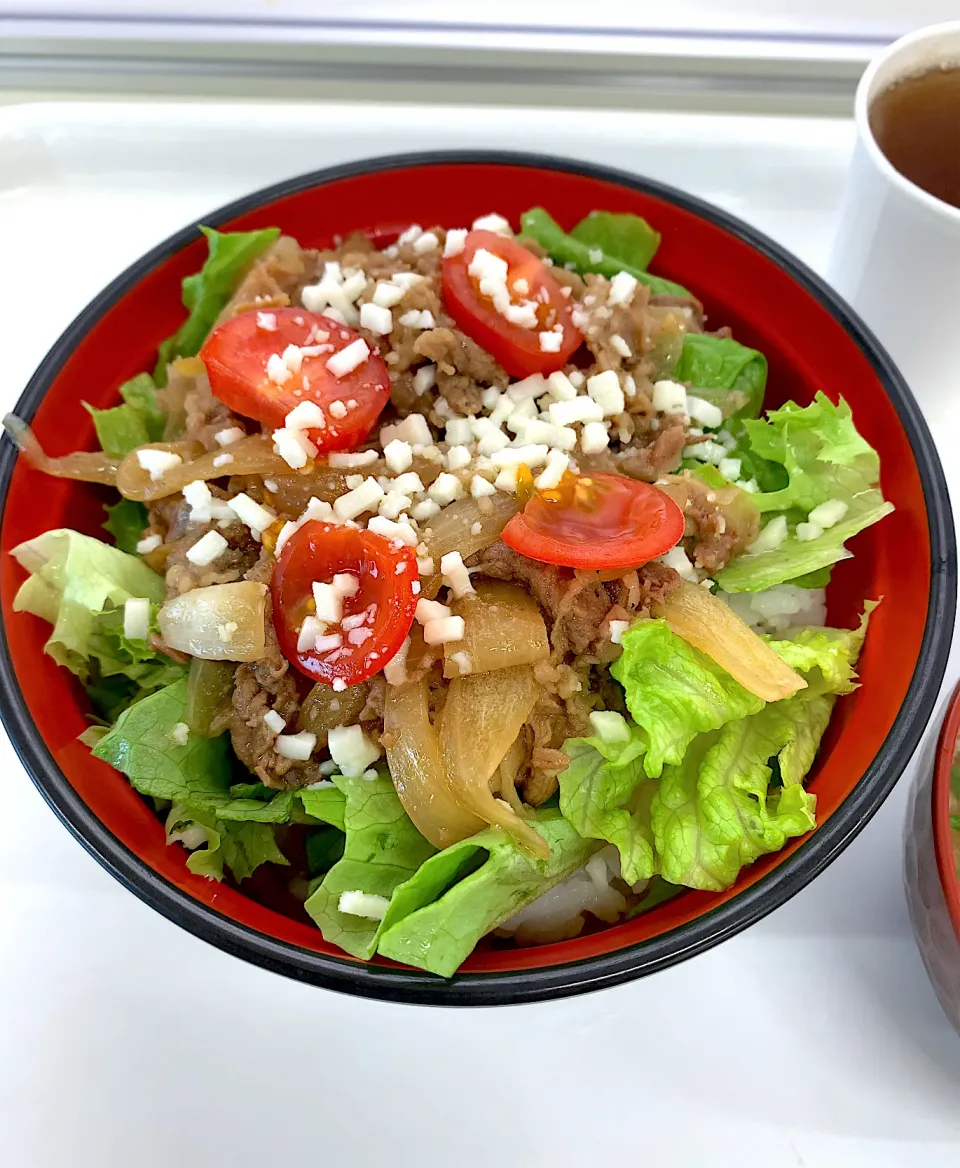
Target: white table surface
x=812 y=1039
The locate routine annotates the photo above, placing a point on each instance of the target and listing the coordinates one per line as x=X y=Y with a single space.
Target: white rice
x=778 y=608
x=558 y=914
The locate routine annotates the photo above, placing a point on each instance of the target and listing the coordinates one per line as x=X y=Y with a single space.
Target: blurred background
x=755 y=56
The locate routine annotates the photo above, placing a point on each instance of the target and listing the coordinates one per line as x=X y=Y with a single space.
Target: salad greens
x=713 y=813
x=623 y=239
x=242 y=847
x=824 y=455
x=138 y=421
x=824 y=460
x=126 y=521
x=437 y=917
x=605 y=795
x=716 y=367
x=145 y=746
x=193 y=773
x=713 y=809
x=206 y=294
x=674 y=692
x=626 y=247
x=79 y=585
x=382 y=850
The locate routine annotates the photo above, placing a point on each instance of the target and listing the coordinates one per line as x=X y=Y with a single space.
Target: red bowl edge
x=940 y=799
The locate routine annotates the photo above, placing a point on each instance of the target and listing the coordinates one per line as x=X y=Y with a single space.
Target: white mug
x=896 y=256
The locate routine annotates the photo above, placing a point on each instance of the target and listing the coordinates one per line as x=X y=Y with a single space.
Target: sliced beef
x=660 y=457
x=454 y=353
x=721 y=521
x=261 y=686
x=170 y=519
x=577 y=605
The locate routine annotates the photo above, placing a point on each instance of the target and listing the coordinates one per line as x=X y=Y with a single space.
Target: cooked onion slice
x=416 y=767
x=249 y=456
x=324 y=709
x=502 y=627
x=710 y=626
x=84 y=466
x=509 y=772
x=480 y=721
x=452 y=530
x=224 y=622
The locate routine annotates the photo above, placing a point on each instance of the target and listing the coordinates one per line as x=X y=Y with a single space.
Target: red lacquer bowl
x=930 y=866
x=812 y=341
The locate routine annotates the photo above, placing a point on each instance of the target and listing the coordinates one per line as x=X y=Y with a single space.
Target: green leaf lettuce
x=674 y=692
x=79 y=585
x=205 y=294
x=436 y=918
x=139 y=420
x=572 y=251
x=126 y=521
x=824 y=458
x=382 y=850
x=717 y=367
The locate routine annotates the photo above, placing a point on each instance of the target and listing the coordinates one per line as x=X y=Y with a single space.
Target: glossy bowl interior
x=812 y=342
x=930 y=865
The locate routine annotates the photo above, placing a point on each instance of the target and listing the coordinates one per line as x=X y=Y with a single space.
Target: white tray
x=814 y=1038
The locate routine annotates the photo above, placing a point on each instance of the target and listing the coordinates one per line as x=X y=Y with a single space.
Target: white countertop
x=812 y=1039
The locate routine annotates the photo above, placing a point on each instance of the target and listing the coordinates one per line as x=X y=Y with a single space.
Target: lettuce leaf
x=605 y=795
x=824 y=455
x=794 y=557
x=126 y=521
x=74 y=578
x=436 y=918
x=713 y=814
x=328 y=804
x=825 y=657
x=241 y=847
x=623 y=238
x=123 y=428
x=79 y=585
x=570 y=251
x=206 y=294
x=715 y=367
x=206 y=817
x=142 y=745
x=705 y=826
x=675 y=692
x=382 y=850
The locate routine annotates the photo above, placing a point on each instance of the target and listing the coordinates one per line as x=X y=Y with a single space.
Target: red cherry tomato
x=236 y=356
x=596 y=521
x=515 y=347
x=386 y=573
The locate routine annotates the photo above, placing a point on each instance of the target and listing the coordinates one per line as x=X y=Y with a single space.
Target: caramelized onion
x=416 y=767
x=249 y=456
x=710 y=626
x=84 y=466
x=509 y=772
x=502 y=627
x=324 y=709
x=452 y=530
x=481 y=719
x=224 y=622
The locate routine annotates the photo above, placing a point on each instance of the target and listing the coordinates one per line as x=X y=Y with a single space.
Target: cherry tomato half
x=237 y=353
x=376 y=619
x=596 y=521
x=516 y=348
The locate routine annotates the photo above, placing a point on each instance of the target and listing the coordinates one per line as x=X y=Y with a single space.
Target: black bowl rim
x=645 y=957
